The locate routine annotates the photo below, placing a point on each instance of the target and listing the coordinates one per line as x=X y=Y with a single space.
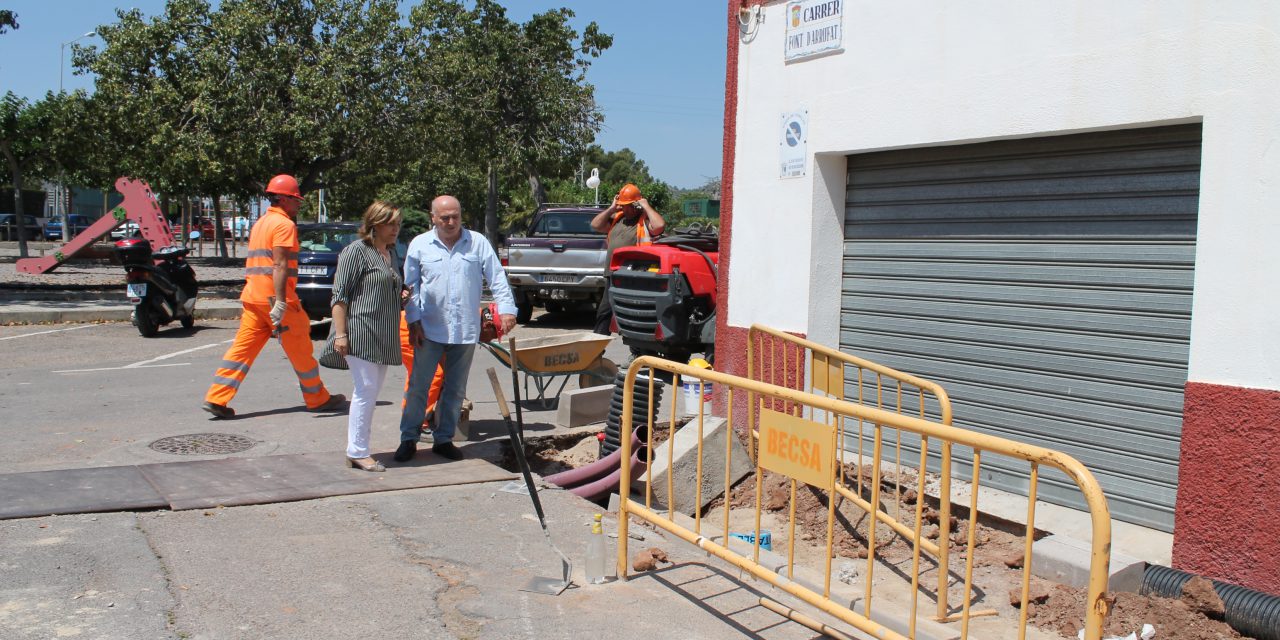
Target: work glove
x=277 y=313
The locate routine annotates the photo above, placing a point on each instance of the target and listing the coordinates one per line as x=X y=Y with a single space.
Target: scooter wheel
x=188 y=322
x=146 y=321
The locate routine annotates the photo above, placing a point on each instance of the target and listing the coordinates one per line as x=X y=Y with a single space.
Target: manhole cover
x=202 y=444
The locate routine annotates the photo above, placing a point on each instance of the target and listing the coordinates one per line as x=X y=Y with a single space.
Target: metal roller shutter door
x=1046 y=284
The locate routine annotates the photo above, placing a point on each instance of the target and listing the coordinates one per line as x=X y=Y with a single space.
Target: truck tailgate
x=555 y=254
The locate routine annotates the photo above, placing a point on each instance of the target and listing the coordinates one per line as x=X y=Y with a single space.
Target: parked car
x=319 y=244
x=9 y=227
x=127 y=230
x=238 y=227
x=53 y=227
x=232 y=227
x=559 y=262
x=204 y=226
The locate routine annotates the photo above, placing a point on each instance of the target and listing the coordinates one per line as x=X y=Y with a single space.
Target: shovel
x=549 y=586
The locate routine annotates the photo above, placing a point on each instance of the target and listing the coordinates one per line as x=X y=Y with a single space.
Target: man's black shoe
x=447 y=450
x=406 y=451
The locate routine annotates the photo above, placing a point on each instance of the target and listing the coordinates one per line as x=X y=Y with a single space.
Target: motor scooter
x=161 y=285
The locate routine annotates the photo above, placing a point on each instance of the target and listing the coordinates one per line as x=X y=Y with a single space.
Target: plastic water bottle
x=597 y=559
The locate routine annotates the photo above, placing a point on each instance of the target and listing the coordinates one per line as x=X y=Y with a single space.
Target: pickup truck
x=560 y=261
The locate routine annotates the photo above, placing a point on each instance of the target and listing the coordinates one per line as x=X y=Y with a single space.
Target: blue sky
x=661 y=85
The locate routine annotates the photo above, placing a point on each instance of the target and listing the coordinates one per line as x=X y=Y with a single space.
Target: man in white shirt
x=445 y=269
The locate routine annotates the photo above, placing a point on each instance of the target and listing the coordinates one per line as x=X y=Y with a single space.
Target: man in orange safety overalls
x=271 y=307
x=437 y=382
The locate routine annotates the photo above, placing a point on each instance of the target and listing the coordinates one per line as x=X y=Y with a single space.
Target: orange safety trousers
x=255 y=330
x=406 y=355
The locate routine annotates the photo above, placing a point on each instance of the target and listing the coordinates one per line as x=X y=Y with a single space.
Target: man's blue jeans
x=457 y=365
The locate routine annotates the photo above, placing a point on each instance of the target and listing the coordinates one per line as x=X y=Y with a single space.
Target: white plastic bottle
x=597 y=558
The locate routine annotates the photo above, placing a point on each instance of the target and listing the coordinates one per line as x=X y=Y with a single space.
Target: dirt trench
x=998 y=551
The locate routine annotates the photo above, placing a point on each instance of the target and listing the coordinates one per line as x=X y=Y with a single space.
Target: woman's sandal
x=366 y=464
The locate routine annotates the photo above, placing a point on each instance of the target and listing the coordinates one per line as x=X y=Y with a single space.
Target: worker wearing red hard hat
x=629 y=221
x=271 y=307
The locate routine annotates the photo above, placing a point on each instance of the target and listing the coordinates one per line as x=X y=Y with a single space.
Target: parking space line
x=128 y=366
x=148 y=364
x=38 y=333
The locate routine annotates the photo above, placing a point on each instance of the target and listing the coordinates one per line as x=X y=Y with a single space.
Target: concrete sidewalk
x=445 y=562
x=25 y=310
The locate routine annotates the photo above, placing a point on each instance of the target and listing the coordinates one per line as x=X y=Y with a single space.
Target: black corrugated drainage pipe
x=1252 y=613
x=640 y=399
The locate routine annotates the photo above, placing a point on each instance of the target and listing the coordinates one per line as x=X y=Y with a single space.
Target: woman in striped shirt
x=366 y=321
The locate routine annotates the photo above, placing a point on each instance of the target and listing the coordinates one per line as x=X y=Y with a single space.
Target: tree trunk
x=19 y=217
x=189 y=219
x=218 y=233
x=491 y=207
x=15 y=170
x=196 y=209
x=536 y=190
x=64 y=193
x=164 y=210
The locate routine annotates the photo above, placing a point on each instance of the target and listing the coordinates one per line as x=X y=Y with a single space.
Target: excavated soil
x=998 y=549
x=1173 y=619
x=998 y=558
x=549 y=455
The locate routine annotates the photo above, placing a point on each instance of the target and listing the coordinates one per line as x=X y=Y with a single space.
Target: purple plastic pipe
x=608 y=484
x=598 y=469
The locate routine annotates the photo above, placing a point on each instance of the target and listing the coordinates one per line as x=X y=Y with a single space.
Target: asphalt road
x=443 y=562
x=90 y=395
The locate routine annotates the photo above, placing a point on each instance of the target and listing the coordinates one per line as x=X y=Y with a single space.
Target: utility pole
x=60 y=203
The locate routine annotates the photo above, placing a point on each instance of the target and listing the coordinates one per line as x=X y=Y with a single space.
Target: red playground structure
x=139 y=206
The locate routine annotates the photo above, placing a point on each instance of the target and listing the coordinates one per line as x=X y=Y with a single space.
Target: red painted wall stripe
x=730 y=344
x=1229 y=486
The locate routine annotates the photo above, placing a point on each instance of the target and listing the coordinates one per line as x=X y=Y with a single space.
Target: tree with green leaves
x=214 y=102
x=514 y=99
x=616 y=169
x=71 y=144
x=25 y=131
x=211 y=101
x=8 y=20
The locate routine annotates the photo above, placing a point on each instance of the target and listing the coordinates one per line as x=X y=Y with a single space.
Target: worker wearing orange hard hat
x=629 y=221
x=272 y=308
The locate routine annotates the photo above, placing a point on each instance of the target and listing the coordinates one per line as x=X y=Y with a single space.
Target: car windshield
x=559 y=224
x=322 y=240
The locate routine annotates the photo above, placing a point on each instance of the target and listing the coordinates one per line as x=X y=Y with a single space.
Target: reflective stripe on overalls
x=255 y=322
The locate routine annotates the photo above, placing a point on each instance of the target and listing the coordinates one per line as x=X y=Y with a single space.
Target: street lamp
x=594 y=183
x=62 y=54
x=60 y=205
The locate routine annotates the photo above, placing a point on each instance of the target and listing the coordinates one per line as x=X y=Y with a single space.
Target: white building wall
x=929 y=73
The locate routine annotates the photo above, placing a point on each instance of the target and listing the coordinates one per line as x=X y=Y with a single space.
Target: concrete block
x=1066 y=560
x=580 y=407
x=685 y=460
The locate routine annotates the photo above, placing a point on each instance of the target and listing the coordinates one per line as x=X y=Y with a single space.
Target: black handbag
x=329 y=356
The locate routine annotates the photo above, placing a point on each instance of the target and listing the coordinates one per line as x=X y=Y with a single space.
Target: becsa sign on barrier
x=797 y=448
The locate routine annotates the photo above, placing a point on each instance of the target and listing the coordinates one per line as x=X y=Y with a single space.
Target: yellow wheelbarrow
x=549 y=359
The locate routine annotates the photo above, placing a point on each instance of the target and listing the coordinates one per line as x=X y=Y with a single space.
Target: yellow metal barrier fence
x=767 y=347
x=796 y=444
